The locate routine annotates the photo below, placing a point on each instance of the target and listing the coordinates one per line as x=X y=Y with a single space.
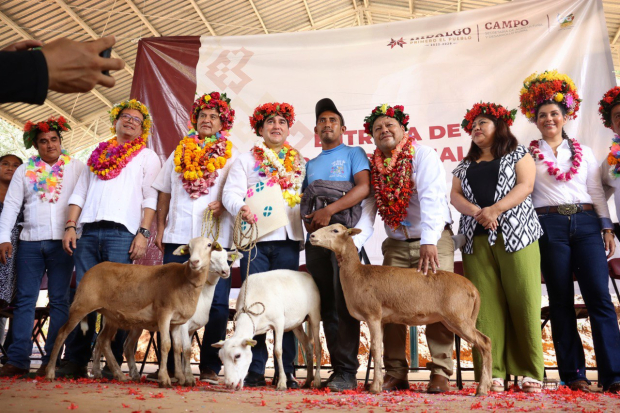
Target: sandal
x=530 y=385
x=497 y=385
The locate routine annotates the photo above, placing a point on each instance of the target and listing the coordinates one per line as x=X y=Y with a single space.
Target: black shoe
x=329 y=379
x=72 y=370
x=343 y=381
x=106 y=373
x=254 y=380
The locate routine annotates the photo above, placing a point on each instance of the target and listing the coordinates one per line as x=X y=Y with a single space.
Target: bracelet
x=608 y=231
x=71 y=226
x=71 y=221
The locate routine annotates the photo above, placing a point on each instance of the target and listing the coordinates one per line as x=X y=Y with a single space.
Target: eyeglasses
x=131 y=119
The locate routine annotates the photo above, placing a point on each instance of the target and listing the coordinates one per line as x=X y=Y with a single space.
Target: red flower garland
x=492 y=109
x=610 y=100
x=392 y=182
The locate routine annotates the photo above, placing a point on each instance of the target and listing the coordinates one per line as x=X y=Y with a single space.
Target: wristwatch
x=145 y=232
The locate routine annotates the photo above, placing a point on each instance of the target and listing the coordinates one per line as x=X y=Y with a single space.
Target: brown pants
x=440 y=340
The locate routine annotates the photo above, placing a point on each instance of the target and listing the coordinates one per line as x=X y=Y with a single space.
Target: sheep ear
x=234 y=256
x=219 y=344
x=249 y=342
x=354 y=231
x=217 y=246
x=182 y=250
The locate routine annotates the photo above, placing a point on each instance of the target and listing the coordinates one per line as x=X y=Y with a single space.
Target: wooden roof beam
x=367 y=12
x=357 y=13
x=142 y=17
x=260 y=19
x=203 y=18
x=308 y=11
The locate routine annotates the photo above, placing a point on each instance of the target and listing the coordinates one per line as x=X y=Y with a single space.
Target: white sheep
x=288 y=298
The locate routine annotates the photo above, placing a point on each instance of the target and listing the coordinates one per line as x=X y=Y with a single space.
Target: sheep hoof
x=136 y=377
x=375 y=387
x=165 y=383
x=97 y=374
x=50 y=376
x=121 y=377
x=190 y=383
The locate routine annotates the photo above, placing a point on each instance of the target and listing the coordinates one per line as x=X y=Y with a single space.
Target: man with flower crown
x=272 y=161
x=409 y=184
x=190 y=190
x=113 y=204
x=43 y=185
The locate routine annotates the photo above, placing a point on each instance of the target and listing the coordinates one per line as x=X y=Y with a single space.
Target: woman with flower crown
x=572 y=209
x=272 y=161
x=491 y=189
x=43 y=185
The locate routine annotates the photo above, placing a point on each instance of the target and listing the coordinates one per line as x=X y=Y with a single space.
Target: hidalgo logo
x=566 y=21
x=400 y=42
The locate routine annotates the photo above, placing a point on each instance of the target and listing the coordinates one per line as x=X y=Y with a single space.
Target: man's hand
x=138 y=247
x=247 y=215
x=217 y=207
x=22 y=45
x=608 y=238
x=69 y=241
x=428 y=256
x=6 y=251
x=159 y=241
x=76 y=67
x=320 y=218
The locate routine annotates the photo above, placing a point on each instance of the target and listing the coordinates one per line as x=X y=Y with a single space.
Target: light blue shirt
x=338 y=164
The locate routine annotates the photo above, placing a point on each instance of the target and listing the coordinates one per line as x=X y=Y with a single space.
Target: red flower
x=215 y=95
x=390 y=112
x=43 y=127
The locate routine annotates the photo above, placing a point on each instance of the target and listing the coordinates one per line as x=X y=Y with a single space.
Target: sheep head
x=199 y=250
x=333 y=237
x=236 y=356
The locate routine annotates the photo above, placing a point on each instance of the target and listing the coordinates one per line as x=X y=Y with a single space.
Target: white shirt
x=611 y=185
x=43 y=220
x=186 y=213
x=242 y=176
x=366 y=222
x=120 y=199
x=584 y=188
x=428 y=211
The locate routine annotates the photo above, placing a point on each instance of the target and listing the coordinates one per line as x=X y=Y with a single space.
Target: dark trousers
x=100 y=241
x=342 y=331
x=215 y=330
x=269 y=256
x=573 y=245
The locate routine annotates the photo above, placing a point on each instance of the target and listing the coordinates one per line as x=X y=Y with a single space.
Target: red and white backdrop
x=436 y=67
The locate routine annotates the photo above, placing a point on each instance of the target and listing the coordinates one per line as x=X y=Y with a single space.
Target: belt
x=448 y=226
x=564 y=209
x=105 y=224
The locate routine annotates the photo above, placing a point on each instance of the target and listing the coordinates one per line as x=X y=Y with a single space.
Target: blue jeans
x=573 y=245
x=215 y=330
x=97 y=244
x=34 y=258
x=269 y=256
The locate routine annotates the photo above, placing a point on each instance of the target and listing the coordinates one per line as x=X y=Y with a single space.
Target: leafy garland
x=287 y=168
x=109 y=158
x=552 y=168
x=198 y=161
x=47 y=184
x=391 y=180
x=613 y=159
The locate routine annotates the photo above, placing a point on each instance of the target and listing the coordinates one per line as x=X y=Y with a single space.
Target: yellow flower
x=210 y=167
x=178 y=169
x=207 y=98
x=558 y=97
x=291 y=199
x=384 y=108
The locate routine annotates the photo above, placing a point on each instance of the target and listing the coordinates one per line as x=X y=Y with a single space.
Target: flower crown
x=489 y=109
x=214 y=100
x=606 y=104
x=553 y=86
x=136 y=105
x=31 y=129
x=268 y=110
x=395 y=112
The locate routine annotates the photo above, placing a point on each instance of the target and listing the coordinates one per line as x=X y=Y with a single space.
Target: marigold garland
x=548 y=86
x=47 y=184
x=613 y=158
x=492 y=109
x=197 y=161
x=391 y=180
x=287 y=168
x=552 y=168
x=109 y=158
x=214 y=100
x=396 y=112
x=136 y=105
x=31 y=129
x=610 y=99
x=268 y=110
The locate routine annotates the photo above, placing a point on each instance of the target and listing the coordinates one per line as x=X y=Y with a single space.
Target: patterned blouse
x=8 y=271
x=519 y=225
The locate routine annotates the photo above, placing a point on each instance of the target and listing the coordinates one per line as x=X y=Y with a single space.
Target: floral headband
x=395 y=112
x=268 y=110
x=136 y=105
x=489 y=109
x=549 y=86
x=31 y=129
x=214 y=100
x=606 y=104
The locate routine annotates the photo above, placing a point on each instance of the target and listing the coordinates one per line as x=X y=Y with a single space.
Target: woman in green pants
x=491 y=189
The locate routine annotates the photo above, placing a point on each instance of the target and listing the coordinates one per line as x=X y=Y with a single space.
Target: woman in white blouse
x=571 y=206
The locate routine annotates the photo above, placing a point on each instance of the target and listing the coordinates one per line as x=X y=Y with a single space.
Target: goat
x=381 y=294
x=288 y=298
x=139 y=297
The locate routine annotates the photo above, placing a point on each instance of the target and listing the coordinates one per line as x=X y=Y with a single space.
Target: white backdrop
x=436 y=67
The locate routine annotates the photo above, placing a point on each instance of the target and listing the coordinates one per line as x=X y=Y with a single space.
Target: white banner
x=436 y=67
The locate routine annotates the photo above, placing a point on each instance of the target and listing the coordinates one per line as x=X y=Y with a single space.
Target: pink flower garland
x=552 y=169
x=109 y=158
